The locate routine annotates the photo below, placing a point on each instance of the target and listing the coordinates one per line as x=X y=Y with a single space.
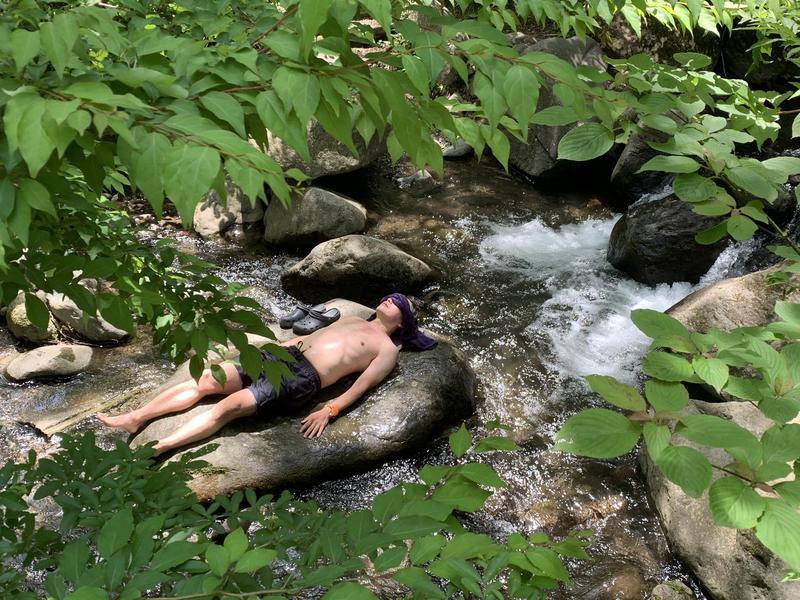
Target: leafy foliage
x=130 y=528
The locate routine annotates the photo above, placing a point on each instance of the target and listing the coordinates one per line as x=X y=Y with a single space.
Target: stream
x=527 y=294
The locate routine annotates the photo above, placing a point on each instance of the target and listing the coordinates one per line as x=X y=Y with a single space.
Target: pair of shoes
x=316 y=319
x=300 y=311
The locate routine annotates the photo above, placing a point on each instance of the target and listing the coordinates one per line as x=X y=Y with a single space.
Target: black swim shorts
x=294 y=393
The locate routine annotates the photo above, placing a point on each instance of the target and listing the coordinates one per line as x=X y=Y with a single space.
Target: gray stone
x=753 y=299
x=659 y=42
x=654 y=241
x=328 y=156
x=731 y=564
x=419 y=183
x=538 y=157
x=95 y=329
x=627 y=184
x=425 y=392
x=672 y=590
x=458 y=150
x=316 y=216
x=22 y=328
x=212 y=216
x=356 y=266
x=50 y=361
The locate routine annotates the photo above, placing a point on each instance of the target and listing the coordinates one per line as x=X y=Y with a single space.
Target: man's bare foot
x=125 y=422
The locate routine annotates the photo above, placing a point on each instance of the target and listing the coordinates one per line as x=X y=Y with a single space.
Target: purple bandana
x=409 y=336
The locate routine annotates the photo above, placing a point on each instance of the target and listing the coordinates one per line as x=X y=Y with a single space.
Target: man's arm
x=378 y=369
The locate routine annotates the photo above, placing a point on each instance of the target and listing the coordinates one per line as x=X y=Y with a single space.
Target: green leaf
x=253 y=560
x=35 y=195
x=312 y=14
x=752 y=181
x=666 y=396
x=692 y=60
x=34 y=143
x=779 y=530
x=495 y=442
x=521 y=89
x=299 y=90
x=227 y=108
x=492 y=101
x=417 y=73
x=218 y=559
x=741 y=228
x=24 y=47
x=87 y=593
x=115 y=533
x=188 y=174
x=426 y=549
x=418 y=580
x=598 y=433
x=390 y=558
x=781 y=442
x=711 y=370
x=348 y=590
x=470 y=545
x=618 y=394
x=387 y=504
x=462 y=494
x=57 y=38
x=667 y=367
x=784 y=166
x=37 y=311
x=116 y=312
x=72 y=560
x=585 y=142
x=734 y=504
x=656 y=324
x=482 y=474
x=656 y=438
x=713 y=234
x=147 y=169
x=460 y=441
x=409 y=528
x=714 y=431
x=548 y=563
x=498 y=143
x=670 y=164
x=554 y=115
x=796 y=127
x=236 y=544
x=685 y=467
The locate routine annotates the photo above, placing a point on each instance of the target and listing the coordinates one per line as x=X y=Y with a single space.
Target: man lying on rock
x=350 y=345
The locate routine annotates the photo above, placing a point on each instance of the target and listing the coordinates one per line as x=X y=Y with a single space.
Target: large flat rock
x=426 y=392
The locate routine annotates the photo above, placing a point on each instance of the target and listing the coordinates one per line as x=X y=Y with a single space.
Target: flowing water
x=527 y=293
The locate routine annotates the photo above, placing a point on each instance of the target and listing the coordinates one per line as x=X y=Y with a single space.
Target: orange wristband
x=333 y=412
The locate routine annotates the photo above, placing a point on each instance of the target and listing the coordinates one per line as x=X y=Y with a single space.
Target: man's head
x=396 y=310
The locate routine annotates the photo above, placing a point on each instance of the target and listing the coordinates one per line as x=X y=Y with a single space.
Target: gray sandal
x=316 y=320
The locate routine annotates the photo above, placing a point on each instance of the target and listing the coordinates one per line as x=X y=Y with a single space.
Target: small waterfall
x=584 y=327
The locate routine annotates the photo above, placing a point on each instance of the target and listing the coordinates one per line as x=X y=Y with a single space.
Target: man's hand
x=314 y=424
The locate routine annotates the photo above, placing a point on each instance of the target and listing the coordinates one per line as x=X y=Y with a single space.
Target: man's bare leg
x=238 y=404
x=175 y=399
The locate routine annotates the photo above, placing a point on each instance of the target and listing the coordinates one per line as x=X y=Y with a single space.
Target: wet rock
x=356 y=266
x=418 y=183
x=750 y=294
x=425 y=392
x=538 y=157
x=21 y=327
x=627 y=185
x=212 y=216
x=659 y=42
x=328 y=156
x=50 y=361
x=672 y=590
x=316 y=216
x=654 y=241
x=731 y=564
x=95 y=329
x=774 y=72
x=458 y=150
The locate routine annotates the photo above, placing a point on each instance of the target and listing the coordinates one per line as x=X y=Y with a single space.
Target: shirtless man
x=350 y=345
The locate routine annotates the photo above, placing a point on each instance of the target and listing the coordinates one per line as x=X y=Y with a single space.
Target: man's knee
x=235 y=406
x=207 y=384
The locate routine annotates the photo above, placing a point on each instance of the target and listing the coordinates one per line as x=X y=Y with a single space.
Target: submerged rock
x=50 y=361
x=426 y=392
x=20 y=325
x=316 y=216
x=95 y=329
x=731 y=564
x=745 y=301
x=654 y=242
x=328 y=156
x=356 y=266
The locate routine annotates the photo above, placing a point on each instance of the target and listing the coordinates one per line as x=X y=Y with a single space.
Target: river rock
x=356 y=266
x=731 y=564
x=426 y=392
x=659 y=42
x=95 y=329
x=538 y=157
x=627 y=184
x=753 y=299
x=328 y=156
x=21 y=326
x=419 y=183
x=654 y=241
x=212 y=216
x=458 y=150
x=50 y=361
x=672 y=590
x=316 y=216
